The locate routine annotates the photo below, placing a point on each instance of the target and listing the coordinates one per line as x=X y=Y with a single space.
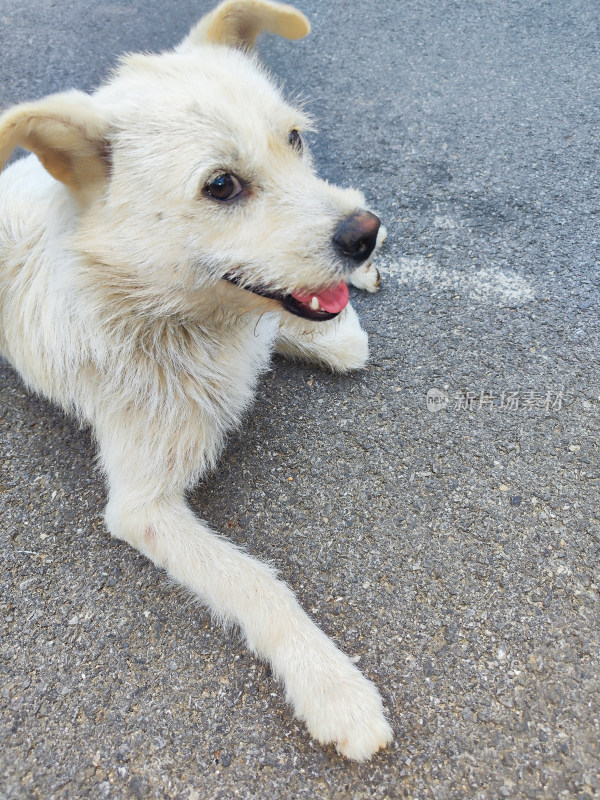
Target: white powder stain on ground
x=482 y=285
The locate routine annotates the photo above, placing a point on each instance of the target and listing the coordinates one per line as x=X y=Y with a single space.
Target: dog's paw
x=338 y=704
x=349 y=350
x=381 y=236
x=348 y=713
x=366 y=277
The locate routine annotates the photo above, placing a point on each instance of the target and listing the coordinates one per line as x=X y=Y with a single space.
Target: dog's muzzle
x=354 y=239
x=356 y=236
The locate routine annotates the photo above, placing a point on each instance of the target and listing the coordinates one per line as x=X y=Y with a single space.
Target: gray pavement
x=455 y=553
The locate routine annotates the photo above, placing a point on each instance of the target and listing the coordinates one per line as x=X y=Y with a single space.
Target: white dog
x=177 y=237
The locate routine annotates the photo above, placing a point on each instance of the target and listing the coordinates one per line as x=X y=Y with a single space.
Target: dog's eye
x=224 y=187
x=295 y=140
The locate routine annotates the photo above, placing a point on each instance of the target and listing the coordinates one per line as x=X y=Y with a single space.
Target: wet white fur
x=112 y=305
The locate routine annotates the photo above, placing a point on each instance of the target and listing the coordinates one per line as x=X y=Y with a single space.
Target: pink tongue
x=332 y=300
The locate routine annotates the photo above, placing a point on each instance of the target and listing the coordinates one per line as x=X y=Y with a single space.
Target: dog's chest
x=213 y=373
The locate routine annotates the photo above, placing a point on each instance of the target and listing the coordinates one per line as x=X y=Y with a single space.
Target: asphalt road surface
x=437 y=514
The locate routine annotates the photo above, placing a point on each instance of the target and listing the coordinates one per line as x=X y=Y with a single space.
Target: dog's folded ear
x=68 y=135
x=237 y=23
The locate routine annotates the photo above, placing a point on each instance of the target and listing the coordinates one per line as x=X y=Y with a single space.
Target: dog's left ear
x=68 y=135
x=237 y=23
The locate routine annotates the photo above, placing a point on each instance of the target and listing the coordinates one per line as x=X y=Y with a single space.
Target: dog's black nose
x=355 y=237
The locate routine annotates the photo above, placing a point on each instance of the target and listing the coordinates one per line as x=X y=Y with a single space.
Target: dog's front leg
x=337 y=703
x=339 y=344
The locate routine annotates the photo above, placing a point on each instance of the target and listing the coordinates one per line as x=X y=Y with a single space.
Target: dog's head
x=194 y=179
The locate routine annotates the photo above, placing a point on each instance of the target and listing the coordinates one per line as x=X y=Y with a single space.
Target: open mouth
x=322 y=305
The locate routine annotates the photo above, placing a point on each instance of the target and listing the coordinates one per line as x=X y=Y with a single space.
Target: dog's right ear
x=237 y=23
x=68 y=135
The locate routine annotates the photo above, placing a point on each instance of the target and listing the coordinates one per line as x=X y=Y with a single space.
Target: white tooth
x=314 y=304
